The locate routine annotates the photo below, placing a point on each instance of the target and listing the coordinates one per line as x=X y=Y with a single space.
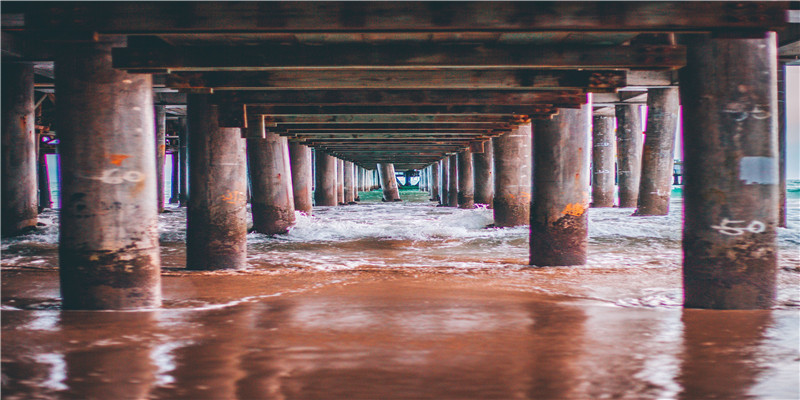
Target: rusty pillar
x=161 y=153
x=271 y=180
x=603 y=150
x=484 y=179
x=444 y=165
x=108 y=247
x=512 y=177
x=435 y=181
x=559 y=222
x=629 y=153
x=349 y=184
x=19 y=182
x=216 y=224
x=183 y=161
x=452 y=190
x=729 y=97
x=388 y=182
x=325 y=179
x=655 y=185
x=300 y=157
x=466 y=190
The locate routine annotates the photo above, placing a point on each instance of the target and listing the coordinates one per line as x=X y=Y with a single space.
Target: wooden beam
x=272 y=110
x=532 y=79
x=384 y=118
x=254 y=17
x=396 y=56
x=377 y=127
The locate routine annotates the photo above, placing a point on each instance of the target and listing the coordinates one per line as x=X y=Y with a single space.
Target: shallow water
x=405 y=300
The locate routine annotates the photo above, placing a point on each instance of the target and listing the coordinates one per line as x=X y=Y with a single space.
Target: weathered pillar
x=108 y=246
x=216 y=228
x=466 y=191
x=175 y=191
x=444 y=164
x=559 y=223
x=349 y=184
x=655 y=185
x=271 y=180
x=388 y=182
x=45 y=196
x=183 y=161
x=19 y=182
x=782 y=136
x=300 y=157
x=435 y=181
x=629 y=154
x=729 y=97
x=452 y=190
x=512 y=177
x=484 y=178
x=340 y=181
x=603 y=150
x=161 y=153
x=325 y=179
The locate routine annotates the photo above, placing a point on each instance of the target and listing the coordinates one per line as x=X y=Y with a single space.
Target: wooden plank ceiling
x=402 y=82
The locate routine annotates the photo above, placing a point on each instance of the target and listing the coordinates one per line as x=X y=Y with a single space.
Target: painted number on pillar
x=725 y=227
x=115 y=176
x=233 y=197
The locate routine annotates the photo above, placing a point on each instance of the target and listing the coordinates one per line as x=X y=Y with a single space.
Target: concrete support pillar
x=19 y=181
x=271 y=180
x=175 y=180
x=452 y=190
x=161 y=153
x=483 y=175
x=340 y=181
x=782 y=136
x=349 y=184
x=512 y=177
x=603 y=159
x=435 y=182
x=629 y=154
x=388 y=182
x=729 y=97
x=655 y=186
x=559 y=223
x=325 y=179
x=466 y=190
x=216 y=228
x=108 y=247
x=300 y=157
x=45 y=196
x=444 y=165
x=183 y=161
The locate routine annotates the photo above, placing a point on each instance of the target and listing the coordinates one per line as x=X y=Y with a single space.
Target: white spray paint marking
x=758 y=170
x=726 y=229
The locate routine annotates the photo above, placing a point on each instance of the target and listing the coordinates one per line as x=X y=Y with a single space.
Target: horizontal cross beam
x=509 y=110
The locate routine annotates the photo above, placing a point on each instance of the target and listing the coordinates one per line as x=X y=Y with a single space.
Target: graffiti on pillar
x=116 y=176
x=602 y=171
x=117 y=159
x=726 y=227
x=574 y=209
x=233 y=197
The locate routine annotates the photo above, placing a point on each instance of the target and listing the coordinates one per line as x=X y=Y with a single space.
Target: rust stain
x=117 y=159
x=574 y=209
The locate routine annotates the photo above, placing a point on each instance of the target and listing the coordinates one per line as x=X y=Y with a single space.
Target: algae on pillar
x=388 y=182
x=108 y=245
x=655 y=185
x=559 y=223
x=629 y=153
x=216 y=228
x=603 y=164
x=512 y=177
x=466 y=191
x=483 y=175
x=300 y=158
x=731 y=177
x=271 y=180
x=325 y=179
x=19 y=181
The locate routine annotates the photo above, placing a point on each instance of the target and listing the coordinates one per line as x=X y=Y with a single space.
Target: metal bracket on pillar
x=232 y=115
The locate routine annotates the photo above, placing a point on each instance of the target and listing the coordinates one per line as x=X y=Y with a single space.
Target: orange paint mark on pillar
x=117 y=159
x=574 y=209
